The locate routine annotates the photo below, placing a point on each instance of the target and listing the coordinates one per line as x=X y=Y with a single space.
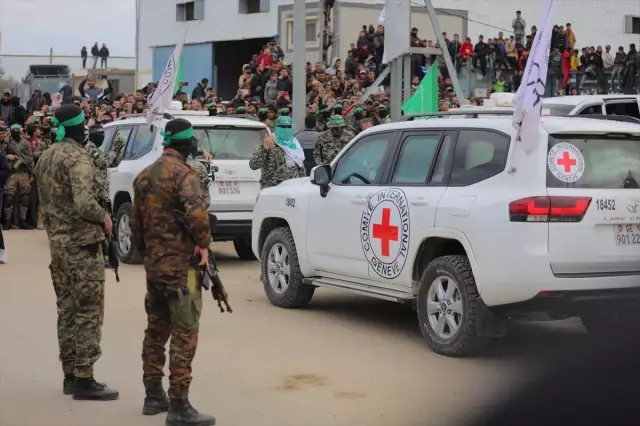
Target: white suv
x=452 y=216
x=233 y=192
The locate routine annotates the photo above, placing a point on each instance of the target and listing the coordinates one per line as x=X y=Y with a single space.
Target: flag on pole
x=178 y=77
x=425 y=99
x=162 y=97
x=382 y=16
x=528 y=100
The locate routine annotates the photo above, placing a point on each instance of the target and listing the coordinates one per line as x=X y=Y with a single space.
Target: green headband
x=75 y=121
x=211 y=105
x=284 y=111
x=183 y=134
x=16 y=127
x=263 y=109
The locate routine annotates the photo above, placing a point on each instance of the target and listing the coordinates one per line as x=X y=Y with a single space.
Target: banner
x=528 y=100
x=163 y=95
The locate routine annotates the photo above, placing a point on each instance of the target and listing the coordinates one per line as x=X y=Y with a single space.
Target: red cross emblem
x=385 y=232
x=567 y=162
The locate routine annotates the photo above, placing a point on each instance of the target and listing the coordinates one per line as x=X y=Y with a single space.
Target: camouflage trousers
x=175 y=316
x=18 y=184
x=78 y=280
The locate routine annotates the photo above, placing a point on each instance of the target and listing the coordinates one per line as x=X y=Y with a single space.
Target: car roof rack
x=461 y=113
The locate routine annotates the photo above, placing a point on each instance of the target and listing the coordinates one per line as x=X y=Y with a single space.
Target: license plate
x=228 y=188
x=627 y=235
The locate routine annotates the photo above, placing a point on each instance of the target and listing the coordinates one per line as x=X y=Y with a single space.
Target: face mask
x=383 y=113
x=284 y=133
x=16 y=135
x=337 y=111
x=357 y=115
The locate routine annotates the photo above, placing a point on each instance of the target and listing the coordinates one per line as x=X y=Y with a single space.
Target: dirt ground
x=346 y=360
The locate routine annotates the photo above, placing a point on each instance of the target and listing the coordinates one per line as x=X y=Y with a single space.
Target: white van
x=231 y=141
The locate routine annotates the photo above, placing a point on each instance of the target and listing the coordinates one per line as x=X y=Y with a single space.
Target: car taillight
x=549 y=209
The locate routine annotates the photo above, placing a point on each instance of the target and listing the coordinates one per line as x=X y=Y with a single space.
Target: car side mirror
x=321 y=176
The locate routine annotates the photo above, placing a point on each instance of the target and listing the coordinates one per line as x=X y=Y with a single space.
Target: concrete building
x=223 y=34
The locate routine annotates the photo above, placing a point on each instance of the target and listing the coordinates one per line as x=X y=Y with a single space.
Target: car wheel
x=243 y=248
x=127 y=252
x=447 y=307
x=281 y=275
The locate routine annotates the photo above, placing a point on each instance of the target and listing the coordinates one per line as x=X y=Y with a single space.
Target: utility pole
x=299 y=64
x=137 y=76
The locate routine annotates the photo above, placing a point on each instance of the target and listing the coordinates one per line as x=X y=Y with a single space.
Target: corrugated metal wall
x=197 y=63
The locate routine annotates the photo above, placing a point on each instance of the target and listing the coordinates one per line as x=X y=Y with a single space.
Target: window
x=141 y=143
x=416 y=157
x=362 y=164
x=632 y=24
x=556 y=109
x=311 y=32
x=629 y=109
x=609 y=162
x=441 y=163
x=254 y=6
x=479 y=155
x=124 y=132
x=591 y=110
x=229 y=142
x=190 y=11
x=108 y=139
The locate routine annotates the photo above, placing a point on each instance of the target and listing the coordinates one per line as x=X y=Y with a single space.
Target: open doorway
x=230 y=57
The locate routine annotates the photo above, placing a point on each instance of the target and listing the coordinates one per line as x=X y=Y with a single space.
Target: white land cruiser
x=452 y=216
x=233 y=193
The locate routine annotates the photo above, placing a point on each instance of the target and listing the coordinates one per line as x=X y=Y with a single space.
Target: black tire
x=465 y=341
x=133 y=256
x=297 y=294
x=243 y=248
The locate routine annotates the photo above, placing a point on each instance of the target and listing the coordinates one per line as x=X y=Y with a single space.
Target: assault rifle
x=109 y=247
x=209 y=274
x=21 y=159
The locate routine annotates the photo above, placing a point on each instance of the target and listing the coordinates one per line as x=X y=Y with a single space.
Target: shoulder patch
x=385 y=232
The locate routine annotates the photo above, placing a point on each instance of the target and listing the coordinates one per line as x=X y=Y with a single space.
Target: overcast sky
x=34 y=26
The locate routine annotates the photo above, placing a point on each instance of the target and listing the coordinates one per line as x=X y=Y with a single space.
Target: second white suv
x=453 y=217
x=233 y=192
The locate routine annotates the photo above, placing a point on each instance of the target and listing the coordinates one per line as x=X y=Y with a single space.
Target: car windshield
x=593 y=161
x=229 y=142
x=556 y=110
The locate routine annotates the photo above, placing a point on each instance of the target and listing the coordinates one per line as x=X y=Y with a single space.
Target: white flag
x=382 y=16
x=528 y=100
x=163 y=95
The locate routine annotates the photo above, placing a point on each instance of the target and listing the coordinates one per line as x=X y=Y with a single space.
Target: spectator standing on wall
x=95 y=53
x=104 y=55
x=83 y=55
x=519 y=25
x=618 y=66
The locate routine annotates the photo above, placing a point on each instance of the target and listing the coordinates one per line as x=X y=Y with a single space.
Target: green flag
x=425 y=99
x=178 y=77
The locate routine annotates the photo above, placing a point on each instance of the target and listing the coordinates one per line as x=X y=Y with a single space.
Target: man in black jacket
x=618 y=67
x=308 y=138
x=480 y=55
x=95 y=53
x=630 y=69
x=200 y=91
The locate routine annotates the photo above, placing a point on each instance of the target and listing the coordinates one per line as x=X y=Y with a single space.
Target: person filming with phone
x=88 y=88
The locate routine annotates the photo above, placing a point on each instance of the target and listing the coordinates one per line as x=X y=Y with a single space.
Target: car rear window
x=556 y=109
x=593 y=161
x=229 y=142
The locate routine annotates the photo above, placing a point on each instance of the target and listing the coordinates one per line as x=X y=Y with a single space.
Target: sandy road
x=344 y=361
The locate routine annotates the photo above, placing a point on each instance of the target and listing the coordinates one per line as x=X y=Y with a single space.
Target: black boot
x=155 y=402
x=181 y=413
x=67 y=384
x=89 y=389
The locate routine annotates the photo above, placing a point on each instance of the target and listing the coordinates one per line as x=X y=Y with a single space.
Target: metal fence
x=16 y=66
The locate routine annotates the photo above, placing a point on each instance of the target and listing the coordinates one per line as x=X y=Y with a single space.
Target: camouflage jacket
x=272 y=163
x=328 y=146
x=163 y=190
x=203 y=175
x=102 y=161
x=270 y=124
x=45 y=143
x=70 y=210
x=385 y=120
x=23 y=150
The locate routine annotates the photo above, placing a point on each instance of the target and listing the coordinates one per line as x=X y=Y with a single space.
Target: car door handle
x=359 y=201
x=419 y=201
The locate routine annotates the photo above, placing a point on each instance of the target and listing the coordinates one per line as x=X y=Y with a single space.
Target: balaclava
x=357 y=113
x=16 y=132
x=383 y=111
x=96 y=135
x=284 y=129
x=70 y=121
x=178 y=135
x=262 y=113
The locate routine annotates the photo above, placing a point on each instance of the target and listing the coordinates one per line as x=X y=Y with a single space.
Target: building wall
x=350 y=18
x=222 y=21
x=197 y=63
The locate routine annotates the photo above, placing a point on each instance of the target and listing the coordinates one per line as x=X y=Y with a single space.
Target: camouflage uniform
x=272 y=163
x=328 y=146
x=102 y=161
x=167 y=255
x=19 y=182
x=73 y=220
x=270 y=124
x=203 y=175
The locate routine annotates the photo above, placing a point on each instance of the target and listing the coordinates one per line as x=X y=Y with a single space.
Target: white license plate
x=228 y=188
x=627 y=235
